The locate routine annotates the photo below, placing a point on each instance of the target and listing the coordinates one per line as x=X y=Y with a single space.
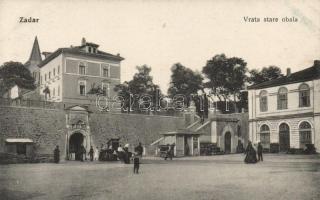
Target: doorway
x=227 y=142
x=75 y=143
x=186 y=146
x=284 y=137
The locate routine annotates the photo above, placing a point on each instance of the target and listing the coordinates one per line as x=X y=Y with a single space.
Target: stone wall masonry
x=46 y=127
x=131 y=128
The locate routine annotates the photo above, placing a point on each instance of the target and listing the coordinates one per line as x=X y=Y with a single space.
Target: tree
x=226 y=76
x=266 y=74
x=184 y=81
x=14 y=73
x=134 y=91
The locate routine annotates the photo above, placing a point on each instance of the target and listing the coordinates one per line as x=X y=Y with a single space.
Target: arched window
x=282 y=98
x=265 y=136
x=304 y=95
x=263 y=101
x=305 y=134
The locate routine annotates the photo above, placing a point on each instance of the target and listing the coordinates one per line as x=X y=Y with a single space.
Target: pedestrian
x=91 y=152
x=56 y=154
x=83 y=153
x=187 y=150
x=136 y=163
x=139 y=149
x=96 y=153
x=169 y=153
x=251 y=155
x=120 y=152
x=260 y=149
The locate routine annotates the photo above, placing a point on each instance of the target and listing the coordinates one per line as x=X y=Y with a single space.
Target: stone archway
x=75 y=145
x=227 y=142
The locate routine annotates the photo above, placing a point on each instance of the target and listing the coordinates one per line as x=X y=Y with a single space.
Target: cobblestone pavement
x=211 y=178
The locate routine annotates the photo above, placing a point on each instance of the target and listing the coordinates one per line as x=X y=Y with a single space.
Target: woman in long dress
x=96 y=154
x=251 y=155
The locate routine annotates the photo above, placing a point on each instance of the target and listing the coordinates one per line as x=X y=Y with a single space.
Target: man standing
x=139 y=149
x=260 y=148
x=56 y=154
x=91 y=152
x=83 y=153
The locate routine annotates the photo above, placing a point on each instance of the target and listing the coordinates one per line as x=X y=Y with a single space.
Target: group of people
x=251 y=154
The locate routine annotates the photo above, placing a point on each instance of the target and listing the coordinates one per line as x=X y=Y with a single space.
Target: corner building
x=285 y=113
x=68 y=74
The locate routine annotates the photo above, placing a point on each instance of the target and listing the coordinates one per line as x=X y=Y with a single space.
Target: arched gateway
x=78 y=132
x=75 y=146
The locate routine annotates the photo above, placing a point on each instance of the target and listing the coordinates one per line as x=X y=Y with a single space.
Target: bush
x=274 y=148
x=310 y=149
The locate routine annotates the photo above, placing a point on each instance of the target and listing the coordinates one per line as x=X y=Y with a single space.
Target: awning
x=19 y=140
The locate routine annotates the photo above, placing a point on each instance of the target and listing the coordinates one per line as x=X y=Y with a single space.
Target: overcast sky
x=160 y=34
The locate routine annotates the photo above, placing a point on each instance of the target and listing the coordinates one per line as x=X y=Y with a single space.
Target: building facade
x=68 y=74
x=285 y=113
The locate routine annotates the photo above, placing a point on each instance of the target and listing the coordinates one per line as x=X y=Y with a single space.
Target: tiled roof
x=78 y=51
x=307 y=74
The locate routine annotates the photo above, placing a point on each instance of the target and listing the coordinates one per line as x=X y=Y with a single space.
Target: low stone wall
x=47 y=128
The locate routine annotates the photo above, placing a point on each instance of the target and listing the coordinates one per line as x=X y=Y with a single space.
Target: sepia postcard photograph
x=159 y=100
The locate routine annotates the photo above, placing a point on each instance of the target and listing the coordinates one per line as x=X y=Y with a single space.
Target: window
x=105 y=71
x=282 y=98
x=265 y=136
x=89 y=49
x=304 y=95
x=239 y=131
x=34 y=74
x=45 y=77
x=54 y=72
x=41 y=79
x=106 y=89
x=58 y=90
x=82 y=88
x=305 y=134
x=58 y=69
x=82 y=68
x=49 y=75
x=263 y=101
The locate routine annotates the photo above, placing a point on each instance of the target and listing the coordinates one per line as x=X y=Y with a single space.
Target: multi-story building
x=285 y=112
x=68 y=74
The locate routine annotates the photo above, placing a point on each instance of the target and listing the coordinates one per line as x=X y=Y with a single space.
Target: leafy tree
x=266 y=74
x=184 y=81
x=142 y=84
x=14 y=73
x=226 y=76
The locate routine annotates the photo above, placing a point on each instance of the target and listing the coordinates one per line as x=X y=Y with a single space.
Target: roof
x=181 y=132
x=19 y=140
x=79 y=51
x=307 y=74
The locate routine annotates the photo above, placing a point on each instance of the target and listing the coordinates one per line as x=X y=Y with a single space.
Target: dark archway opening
x=75 y=143
x=227 y=142
x=284 y=137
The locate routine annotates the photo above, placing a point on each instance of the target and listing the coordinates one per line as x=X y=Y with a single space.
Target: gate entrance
x=75 y=142
x=284 y=137
x=227 y=142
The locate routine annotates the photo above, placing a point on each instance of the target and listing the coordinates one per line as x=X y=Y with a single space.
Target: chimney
x=316 y=63
x=46 y=54
x=288 y=71
x=83 y=41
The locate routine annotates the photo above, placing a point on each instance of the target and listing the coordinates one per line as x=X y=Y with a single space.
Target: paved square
x=213 y=178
